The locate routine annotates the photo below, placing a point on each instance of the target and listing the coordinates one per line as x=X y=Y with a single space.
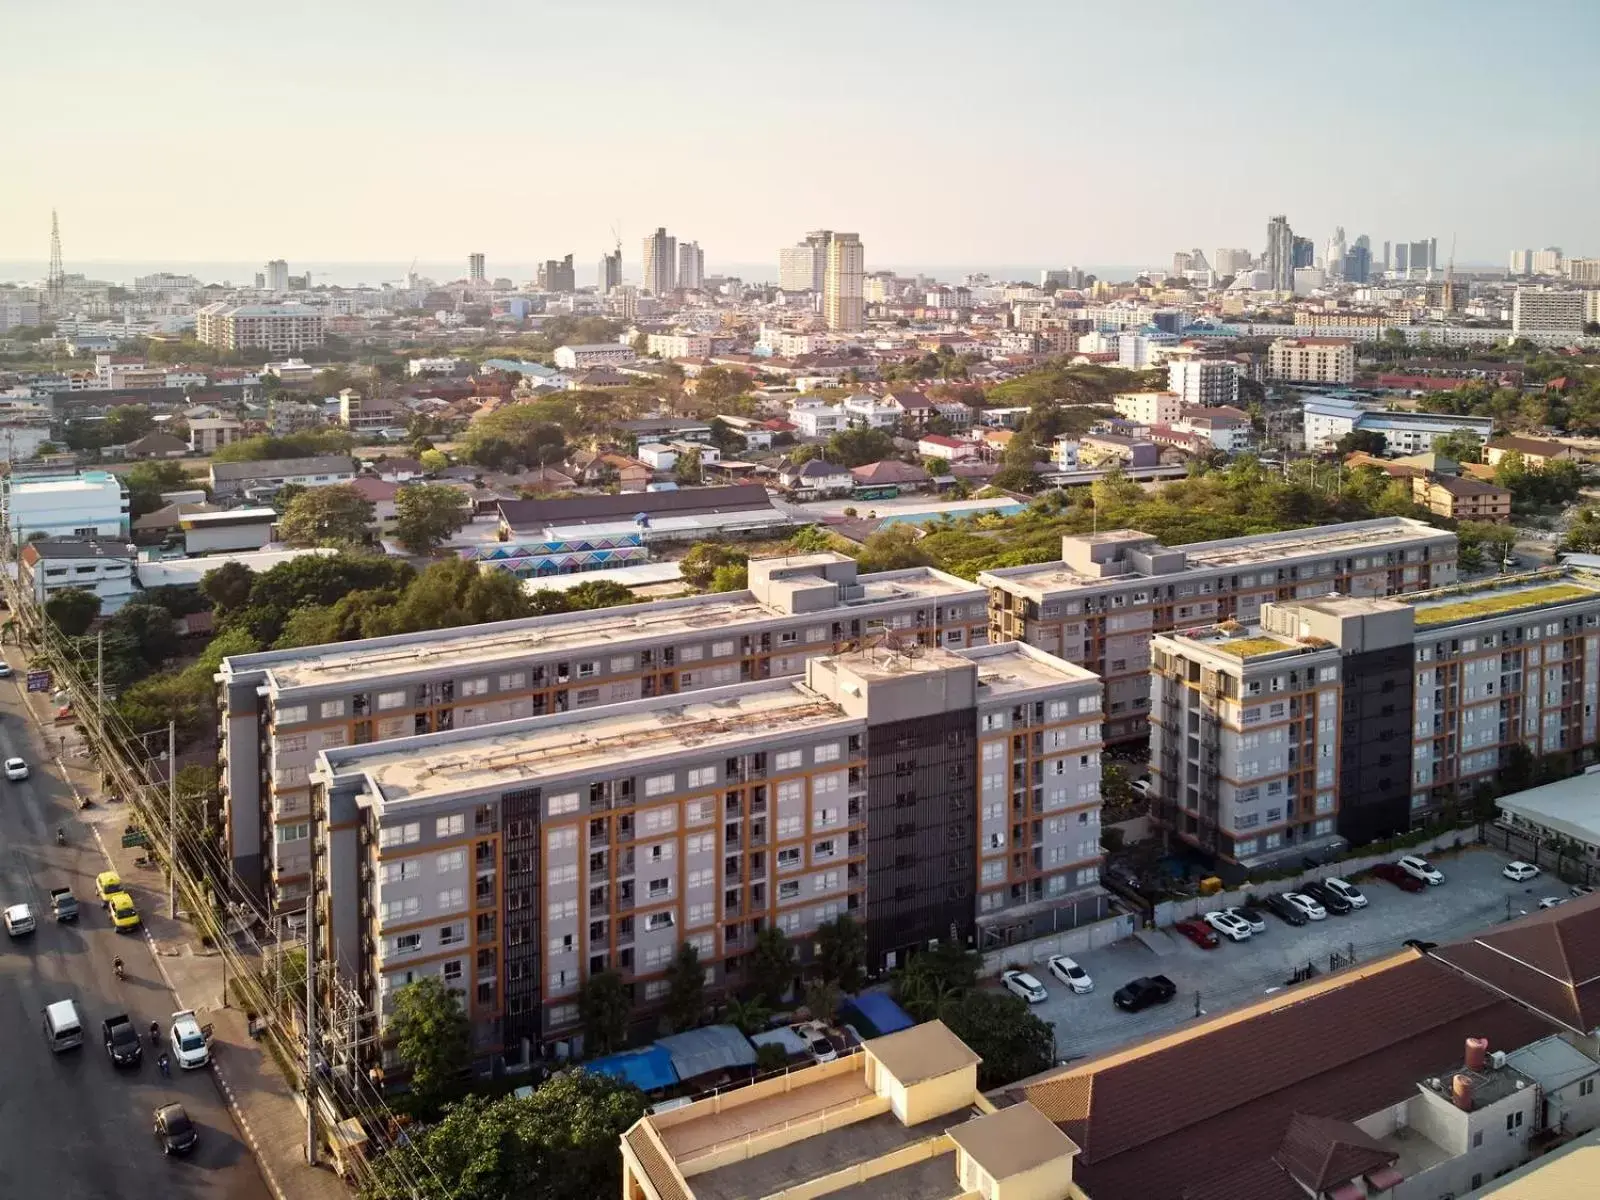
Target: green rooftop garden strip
x=1251 y=647
x=1491 y=604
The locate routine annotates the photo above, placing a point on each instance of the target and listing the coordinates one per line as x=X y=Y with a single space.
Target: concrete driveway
x=1473 y=896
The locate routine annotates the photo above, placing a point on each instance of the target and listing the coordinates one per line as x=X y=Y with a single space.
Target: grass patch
x=1489 y=605
x=1251 y=647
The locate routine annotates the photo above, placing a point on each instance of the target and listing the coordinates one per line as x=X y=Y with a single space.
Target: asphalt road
x=71 y=1126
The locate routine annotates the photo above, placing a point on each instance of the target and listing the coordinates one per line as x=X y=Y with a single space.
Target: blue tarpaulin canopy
x=649 y=1069
x=881 y=1014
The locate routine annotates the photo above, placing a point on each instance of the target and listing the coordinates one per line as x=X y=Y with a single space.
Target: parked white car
x=1519 y=872
x=1343 y=887
x=1312 y=910
x=1421 y=868
x=189 y=1045
x=1228 y=926
x=1250 y=916
x=1070 y=973
x=1025 y=987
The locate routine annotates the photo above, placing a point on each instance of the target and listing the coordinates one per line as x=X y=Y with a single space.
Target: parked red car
x=1199 y=933
x=1391 y=873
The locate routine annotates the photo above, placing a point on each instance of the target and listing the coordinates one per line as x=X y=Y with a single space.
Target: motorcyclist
x=155 y=1034
x=116 y=965
x=61 y=836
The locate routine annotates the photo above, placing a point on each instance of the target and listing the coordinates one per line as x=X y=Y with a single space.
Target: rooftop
x=924 y=1051
x=1507 y=595
x=342 y=663
x=1012 y=1141
x=1007 y=668
x=519 y=753
x=1254 y=647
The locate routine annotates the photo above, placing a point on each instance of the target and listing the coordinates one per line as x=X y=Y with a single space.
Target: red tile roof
x=1322 y=1152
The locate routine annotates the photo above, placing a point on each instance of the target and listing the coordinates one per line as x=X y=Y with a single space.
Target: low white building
x=816 y=420
x=86 y=505
x=679 y=345
x=1064 y=452
x=1565 y=809
x=1148 y=408
x=602 y=354
x=445 y=365
x=874 y=412
x=101 y=566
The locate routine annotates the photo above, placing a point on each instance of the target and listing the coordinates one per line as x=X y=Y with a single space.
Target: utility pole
x=311 y=1033
x=99 y=672
x=172 y=823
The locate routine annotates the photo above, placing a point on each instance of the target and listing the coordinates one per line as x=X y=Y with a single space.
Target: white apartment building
x=1227 y=429
x=601 y=354
x=91 y=504
x=17 y=313
x=1547 y=261
x=1311 y=360
x=1138 y=349
x=679 y=345
x=445 y=365
x=1547 y=310
x=383 y=688
x=279 y=328
x=1148 y=408
x=874 y=412
x=620 y=834
x=1110 y=592
x=1197 y=379
x=817 y=420
x=102 y=567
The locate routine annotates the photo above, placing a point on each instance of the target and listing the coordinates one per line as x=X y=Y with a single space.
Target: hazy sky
x=949 y=133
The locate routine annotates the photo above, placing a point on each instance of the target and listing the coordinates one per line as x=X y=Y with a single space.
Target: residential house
x=98 y=565
x=815 y=479
x=1462 y=499
x=1103 y=449
x=1536 y=452
x=398 y=470
x=914 y=408
x=890 y=472
x=207 y=435
x=381 y=492
x=813 y=419
x=958 y=412
x=155 y=445
x=872 y=412
x=208 y=530
x=598 y=379
x=937 y=445
x=1228 y=429
x=266 y=476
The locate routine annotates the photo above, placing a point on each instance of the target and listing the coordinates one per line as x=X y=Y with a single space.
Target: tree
x=715 y=386
x=748 y=1016
x=730 y=578
x=930 y=976
x=72 y=610
x=518 y=435
x=841 y=953
x=427 y=514
x=859 y=446
x=308 y=580
x=306 y=443
x=336 y=515
x=1482 y=543
x=148 y=480
x=1361 y=441
x=1013 y=1042
x=1583 y=535
x=687 y=468
x=433 y=1037
x=822 y=999
x=597 y=593
x=604 y=1006
x=771 y=970
x=686 y=989
x=1462 y=445
x=433 y=461
x=449 y=593
x=557 y=1143
x=699 y=565
x=128 y=422
x=893 y=548
x=151 y=629
x=228 y=586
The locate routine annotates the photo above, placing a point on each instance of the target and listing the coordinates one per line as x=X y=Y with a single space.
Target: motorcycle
x=61 y=837
x=116 y=965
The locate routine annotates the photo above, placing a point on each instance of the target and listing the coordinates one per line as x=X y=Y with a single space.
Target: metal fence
x=1555 y=858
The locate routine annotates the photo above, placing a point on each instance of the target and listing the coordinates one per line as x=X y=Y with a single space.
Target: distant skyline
x=1057 y=133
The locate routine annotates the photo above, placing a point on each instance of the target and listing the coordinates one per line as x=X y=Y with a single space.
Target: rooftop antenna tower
x=56 y=281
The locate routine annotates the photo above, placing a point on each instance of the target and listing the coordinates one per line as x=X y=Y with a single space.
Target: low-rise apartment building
x=1149 y=408
x=1359 y=718
x=279 y=708
x=601 y=354
x=280 y=328
x=264 y=477
x=100 y=567
x=86 y=504
x=1110 y=592
x=1462 y=499
x=574 y=843
x=1311 y=360
x=1199 y=377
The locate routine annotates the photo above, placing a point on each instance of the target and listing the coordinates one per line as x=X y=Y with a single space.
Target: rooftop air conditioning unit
x=1497 y=1059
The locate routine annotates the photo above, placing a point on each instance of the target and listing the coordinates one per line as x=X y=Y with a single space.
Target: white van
x=62 y=1028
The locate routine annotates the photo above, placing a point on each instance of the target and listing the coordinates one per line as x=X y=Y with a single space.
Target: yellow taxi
x=123 y=914
x=108 y=884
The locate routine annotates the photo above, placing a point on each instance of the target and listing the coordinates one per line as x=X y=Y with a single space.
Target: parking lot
x=1473 y=896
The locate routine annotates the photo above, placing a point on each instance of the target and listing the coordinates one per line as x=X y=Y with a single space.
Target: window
x=701 y=843
x=1477 y=1138
x=659 y=920
x=292 y=743
x=828 y=752
x=789 y=889
x=702 y=914
x=1513 y=1122
x=513 y=681
x=789 y=827
x=408 y=943
x=452 y=935
x=453 y=860
x=400 y=835
x=704 y=877
x=399 y=872
x=452 y=898
x=588 y=670
x=475 y=687
x=563 y=910
x=825 y=849
x=621 y=663
x=721 y=649
x=452 y=971
x=452 y=826
x=827 y=881
x=297 y=831
x=789 y=857
x=787 y=760
x=1586 y=1087
x=824 y=817
x=697 y=813
x=396 y=910
x=556 y=876
x=656 y=819
x=562 y=839
x=567 y=802
x=658 y=785
x=390 y=700
x=701 y=777
x=291 y=714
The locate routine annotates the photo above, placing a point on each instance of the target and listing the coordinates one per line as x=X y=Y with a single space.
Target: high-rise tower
x=1279 y=256
x=660 y=263
x=842 y=302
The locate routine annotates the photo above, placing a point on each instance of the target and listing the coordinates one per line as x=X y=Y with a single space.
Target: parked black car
x=1143 y=992
x=1283 y=910
x=121 y=1041
x=1328 y=898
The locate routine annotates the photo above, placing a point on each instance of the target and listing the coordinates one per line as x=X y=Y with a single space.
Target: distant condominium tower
x=1333 y=257
x=1305 y=252
x=475 y=268
x=660 y=263
x=691 y=266
x=1232 y=260
x=1547 y=261
x=1402 y=258
x=842 y=301
x=557 y=275
x=610 y=274
x=1279 y=256
x=278 y=275
x=794 y=268
x=1421 y=258
x=1521 y=262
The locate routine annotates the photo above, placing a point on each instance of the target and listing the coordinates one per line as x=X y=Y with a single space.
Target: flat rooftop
x=1571 y=807
x=341 y=664
x=1268 y=549
x=1503 y=596
x=1010 y=667
x=519 y=753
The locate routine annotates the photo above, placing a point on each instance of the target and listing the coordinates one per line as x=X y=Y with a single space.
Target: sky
x=1046 y=133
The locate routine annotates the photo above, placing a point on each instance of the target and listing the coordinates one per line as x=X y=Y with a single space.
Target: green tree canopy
x=686 y=989
x=841 y=953
x=518 y=435
x=427 y=514
x=893 y=548
x=858 y=446
x=147 y=480
x=771 y=969
x=699 y=565
x=1462 y=445
x=922 y=985
x=432 y=1035
x=151 y=629
x=72 y=610
x=604 y=1006
x=228 y=586
x=336 y=515
x=1364 y=441
x=307 y=443
x=1013 y=1042
x=128 y=422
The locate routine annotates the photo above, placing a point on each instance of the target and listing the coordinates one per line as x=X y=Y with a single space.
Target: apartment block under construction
x=1357 y=718
x=925 y=792
x=1100 y=605
x=280 y=708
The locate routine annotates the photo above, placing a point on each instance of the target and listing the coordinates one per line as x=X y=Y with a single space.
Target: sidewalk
x=269 y=1114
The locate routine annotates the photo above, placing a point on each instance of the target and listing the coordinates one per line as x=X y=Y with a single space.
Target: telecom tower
x=56 y=281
